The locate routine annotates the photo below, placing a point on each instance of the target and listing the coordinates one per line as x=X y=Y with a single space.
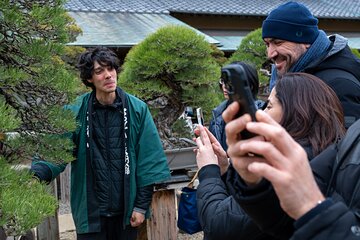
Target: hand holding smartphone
x=235 y=80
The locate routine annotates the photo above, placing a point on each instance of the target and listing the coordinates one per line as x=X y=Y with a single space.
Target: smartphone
x=235 y=80
x=200 y=117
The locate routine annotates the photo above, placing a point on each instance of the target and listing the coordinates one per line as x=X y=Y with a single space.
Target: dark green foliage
x=6 y=113
x=169 y=70
x=181 y=129
x=253 y=50
x=356 y=52
x=24 y=202
x=218 y=55
x=35 y=82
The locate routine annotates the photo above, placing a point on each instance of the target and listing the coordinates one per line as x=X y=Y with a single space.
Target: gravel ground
x=68 y=235
x=71 y=235
x=197 y=236
x=64 y=208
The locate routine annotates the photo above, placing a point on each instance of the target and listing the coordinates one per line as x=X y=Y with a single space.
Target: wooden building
x=123 y=24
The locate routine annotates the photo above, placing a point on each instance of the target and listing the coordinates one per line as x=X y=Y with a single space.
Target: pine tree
x=35 y=84
x=253 y=50
x=169 y=70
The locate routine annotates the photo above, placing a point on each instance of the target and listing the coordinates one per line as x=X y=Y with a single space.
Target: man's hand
x=240 y=157
x=136 y=219
x=284 y=164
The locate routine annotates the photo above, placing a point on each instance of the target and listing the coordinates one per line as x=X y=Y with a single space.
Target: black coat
x=341 y=71
x=337 y=172
x=220 y=215
x=217 y=124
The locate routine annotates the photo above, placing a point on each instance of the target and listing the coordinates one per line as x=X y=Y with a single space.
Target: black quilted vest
x=108 y=157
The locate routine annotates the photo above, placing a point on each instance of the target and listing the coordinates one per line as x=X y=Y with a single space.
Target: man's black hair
x=102 y=55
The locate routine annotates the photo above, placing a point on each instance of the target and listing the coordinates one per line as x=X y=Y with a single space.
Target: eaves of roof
x=231 y=43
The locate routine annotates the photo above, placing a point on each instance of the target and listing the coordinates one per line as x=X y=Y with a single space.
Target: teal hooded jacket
x=145 y=160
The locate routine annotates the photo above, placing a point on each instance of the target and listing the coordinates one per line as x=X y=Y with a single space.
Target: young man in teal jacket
x=119 y=155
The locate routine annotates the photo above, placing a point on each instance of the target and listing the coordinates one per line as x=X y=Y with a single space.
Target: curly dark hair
x=102 y=55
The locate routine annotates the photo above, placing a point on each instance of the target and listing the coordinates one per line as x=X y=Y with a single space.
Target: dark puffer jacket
x=220 y=215
x=108 y=159
x=341 y=71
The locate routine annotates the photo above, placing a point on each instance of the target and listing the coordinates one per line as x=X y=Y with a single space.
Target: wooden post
x=65 y=185
x=142 y=231
x=2 y=234
x=49 y=228
x=162 y=224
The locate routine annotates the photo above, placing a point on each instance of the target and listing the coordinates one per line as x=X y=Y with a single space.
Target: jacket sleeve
x=333 y=221
x=151 y=166
x=46 y=171
x=143 y=198
x=262 y=205
x=219 y=214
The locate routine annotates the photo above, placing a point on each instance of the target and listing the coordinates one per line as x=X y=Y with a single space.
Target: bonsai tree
x=171 y=69
x=253 y=50
x=35 y=83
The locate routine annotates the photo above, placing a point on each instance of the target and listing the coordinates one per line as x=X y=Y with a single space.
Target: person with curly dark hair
x=116 y=167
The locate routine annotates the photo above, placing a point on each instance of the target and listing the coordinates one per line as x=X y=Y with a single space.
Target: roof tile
x=347 y=9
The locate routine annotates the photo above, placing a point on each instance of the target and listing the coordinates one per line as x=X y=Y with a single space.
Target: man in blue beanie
x=295 y=44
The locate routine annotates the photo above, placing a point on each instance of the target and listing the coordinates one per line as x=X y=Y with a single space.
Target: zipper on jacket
x=108 y=161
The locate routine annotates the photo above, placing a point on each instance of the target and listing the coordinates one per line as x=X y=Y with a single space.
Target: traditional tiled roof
x=122 y=29
x=341 y=9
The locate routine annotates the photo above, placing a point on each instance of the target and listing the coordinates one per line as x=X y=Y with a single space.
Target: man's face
x=104 y=78
x=284 y=53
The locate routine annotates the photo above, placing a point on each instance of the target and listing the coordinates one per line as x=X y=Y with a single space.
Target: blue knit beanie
x=292 y=22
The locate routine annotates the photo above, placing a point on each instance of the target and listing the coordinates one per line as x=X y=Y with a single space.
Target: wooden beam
x=162 y=223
